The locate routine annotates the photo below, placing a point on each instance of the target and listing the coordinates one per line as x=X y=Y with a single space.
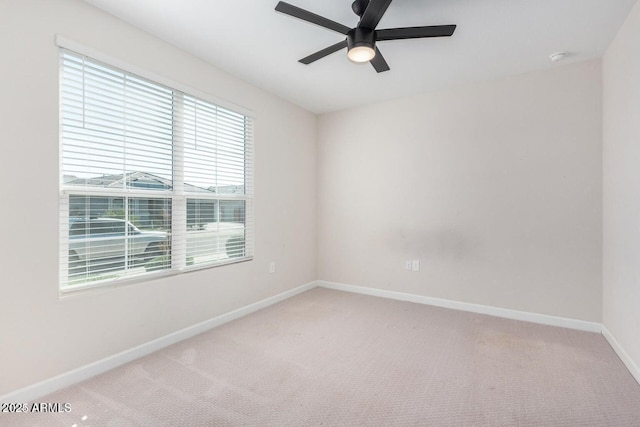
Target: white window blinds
x=152 y=179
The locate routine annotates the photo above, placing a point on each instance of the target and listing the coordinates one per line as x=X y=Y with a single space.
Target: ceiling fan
x=361 y=40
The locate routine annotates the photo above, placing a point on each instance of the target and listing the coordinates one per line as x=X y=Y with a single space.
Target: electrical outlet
x=272 y=267
x=407 y=265
x=415 y=265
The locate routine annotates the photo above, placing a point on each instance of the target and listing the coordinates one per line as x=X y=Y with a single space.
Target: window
x=152 y=179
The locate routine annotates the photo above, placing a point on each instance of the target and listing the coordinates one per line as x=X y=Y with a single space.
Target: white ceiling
x=494 y=38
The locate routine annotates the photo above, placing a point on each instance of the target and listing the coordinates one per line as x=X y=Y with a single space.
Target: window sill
x=125 y=281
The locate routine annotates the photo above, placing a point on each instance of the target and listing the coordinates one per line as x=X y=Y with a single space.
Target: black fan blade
x=296 y=12
x=324 y=52
x=379 y=63
x=373 y=14
x=415 y=32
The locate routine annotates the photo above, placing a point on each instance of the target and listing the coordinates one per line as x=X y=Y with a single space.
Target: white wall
x=621 y=238
x=495 y=187
x=43 y=335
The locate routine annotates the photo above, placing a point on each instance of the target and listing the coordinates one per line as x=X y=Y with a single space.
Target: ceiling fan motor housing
x=361 y=37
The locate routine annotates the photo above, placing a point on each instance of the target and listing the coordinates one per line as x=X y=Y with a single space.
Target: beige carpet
x=330 y=358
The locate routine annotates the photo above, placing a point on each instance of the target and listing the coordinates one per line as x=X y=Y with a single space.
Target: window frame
x=179 y=198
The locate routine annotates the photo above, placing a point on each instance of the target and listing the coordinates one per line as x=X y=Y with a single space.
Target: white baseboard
x=474 y=308
x=628 y=362
x=51 y=385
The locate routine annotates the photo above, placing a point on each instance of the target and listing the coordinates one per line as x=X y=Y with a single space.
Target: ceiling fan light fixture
x=361 y=53
x=361 y=44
